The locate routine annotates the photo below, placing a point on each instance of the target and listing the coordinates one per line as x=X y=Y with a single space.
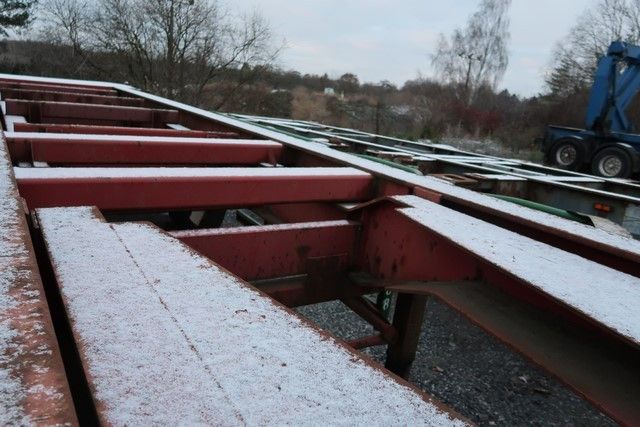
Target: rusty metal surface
x=408 y=252
x=264 y=252
x=390 y=247
x=35 y=388
x=393 y=247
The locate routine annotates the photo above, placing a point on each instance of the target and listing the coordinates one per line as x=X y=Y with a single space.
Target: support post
x=407 y=320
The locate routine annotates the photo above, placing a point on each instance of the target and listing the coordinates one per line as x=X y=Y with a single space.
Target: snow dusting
x=11 y=388
x=608 y=296
x=170 y=338
x=23 y=336
x=115 y=139
x=154 y=172
x=25 y=342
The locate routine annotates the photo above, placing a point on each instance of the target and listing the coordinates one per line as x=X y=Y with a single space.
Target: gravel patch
x=474 y=373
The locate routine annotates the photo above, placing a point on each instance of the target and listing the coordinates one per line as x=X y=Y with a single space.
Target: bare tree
x=171 y=47
x=477 y=54
x=66 y=22
x=15 y=14
x=575 y=58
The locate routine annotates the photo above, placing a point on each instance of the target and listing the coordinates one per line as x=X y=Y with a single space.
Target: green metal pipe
x=572 y=216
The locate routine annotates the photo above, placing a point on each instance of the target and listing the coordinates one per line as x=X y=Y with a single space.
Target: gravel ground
x=471 y=371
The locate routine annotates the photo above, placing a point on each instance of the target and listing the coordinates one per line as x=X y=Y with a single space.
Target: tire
x=567 y=154
x=612 y=162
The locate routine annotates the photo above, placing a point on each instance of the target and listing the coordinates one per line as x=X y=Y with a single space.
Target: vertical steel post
x=407 y=320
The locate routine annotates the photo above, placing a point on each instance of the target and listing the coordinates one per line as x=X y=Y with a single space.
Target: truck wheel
x=612 y=162
x=566 y=154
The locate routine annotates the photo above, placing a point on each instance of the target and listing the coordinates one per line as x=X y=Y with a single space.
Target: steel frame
x=117 y=130
x=359 y=243
x=562 y=189
x=138 y=150
x=126 y=189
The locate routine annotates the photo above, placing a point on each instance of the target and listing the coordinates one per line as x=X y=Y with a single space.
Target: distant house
x=329 y=91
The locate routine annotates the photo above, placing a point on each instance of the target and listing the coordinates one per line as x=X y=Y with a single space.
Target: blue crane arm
x=616 y=82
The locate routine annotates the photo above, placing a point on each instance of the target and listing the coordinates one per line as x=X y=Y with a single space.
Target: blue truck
x=607 y=146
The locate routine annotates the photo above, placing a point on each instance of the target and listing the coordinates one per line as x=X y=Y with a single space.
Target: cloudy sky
x=392 y=39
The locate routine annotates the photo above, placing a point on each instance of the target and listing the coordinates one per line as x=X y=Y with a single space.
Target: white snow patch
x=170 y=338
x=11 y=251
x=39 y=136
x=606 y=295
x=153 y=172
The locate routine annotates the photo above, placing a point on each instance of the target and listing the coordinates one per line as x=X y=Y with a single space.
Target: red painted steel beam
x=263 y=252
x=95 y=90
x=188 y=188
x=120 y=130
x=64 y=112
x=404 y=251
x=33 y=381
x=616 y=258
x=413 y=252
x=134 y=150
x=600 y=252
x=396 y=248
x=77 y=97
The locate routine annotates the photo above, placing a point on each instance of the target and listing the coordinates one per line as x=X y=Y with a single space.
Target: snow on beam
x=123 y=149
x=188 y=188
x=67 y=96
x=52 y=112
x=33 y=384
x=117 y=130
x=168 y=337
x=599 y=293
x=7 y=82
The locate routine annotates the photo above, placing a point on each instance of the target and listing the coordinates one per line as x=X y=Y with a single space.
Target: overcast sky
x=392 y=39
